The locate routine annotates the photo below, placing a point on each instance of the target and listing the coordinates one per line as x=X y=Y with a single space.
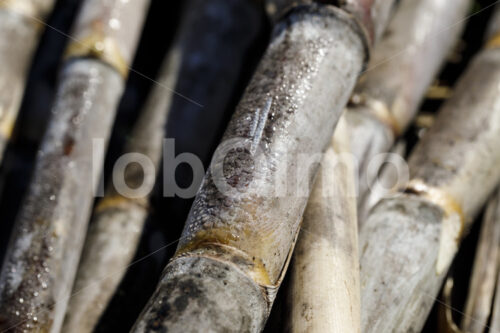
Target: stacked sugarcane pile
x=284 y=125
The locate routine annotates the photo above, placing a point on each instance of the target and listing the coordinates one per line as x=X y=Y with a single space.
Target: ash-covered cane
x=43 y=254
x=21 y=24
x=324 y=287
x=408 y=242
x=204 y=65
x=404 y=64
x=240 y=232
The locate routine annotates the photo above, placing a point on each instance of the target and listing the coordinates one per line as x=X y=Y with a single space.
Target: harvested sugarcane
x=240 y=233
x=409 y=242
x=119 y=219
x=21 y=24
x=404 y=64
x=324 y=287
x=485 y=272
x=42 y=258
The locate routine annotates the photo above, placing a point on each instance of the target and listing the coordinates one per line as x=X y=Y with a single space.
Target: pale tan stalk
x=324 y=287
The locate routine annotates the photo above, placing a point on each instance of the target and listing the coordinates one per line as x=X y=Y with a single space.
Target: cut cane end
x=453 y=223
x=295 y=11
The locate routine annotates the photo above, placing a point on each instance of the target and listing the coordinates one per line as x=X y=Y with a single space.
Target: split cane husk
x=485 y=271
x=21 y=24
x=42 y=258
x=495 y=316
x=409 y=242
x=324 y=287
x=479 y=303
x=119 y=219
x=404 y=64
x=239 y=235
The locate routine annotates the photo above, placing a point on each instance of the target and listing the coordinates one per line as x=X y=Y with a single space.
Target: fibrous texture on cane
x=324 y=286
x=42 y=258
x=240 y=233
x=409 y=242
x=222 y=41
x=21 y=24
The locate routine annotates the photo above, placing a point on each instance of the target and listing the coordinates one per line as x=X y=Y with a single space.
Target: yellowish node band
x=101 y=47
x=380 y=110
x=210 y=244
x=7 y=123
x=117 y=201
x=437 y=196
x=494 y=42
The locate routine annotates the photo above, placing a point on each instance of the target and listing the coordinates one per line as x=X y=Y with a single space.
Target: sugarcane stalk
x=21 y=24
x=408 y=242
x=222 y=42
x=237 y=241
x=324 y=287
x=484 y=274
x=45 y=246
x=404 y=64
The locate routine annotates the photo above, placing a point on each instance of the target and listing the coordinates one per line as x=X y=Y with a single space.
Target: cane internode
x=379 y=110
